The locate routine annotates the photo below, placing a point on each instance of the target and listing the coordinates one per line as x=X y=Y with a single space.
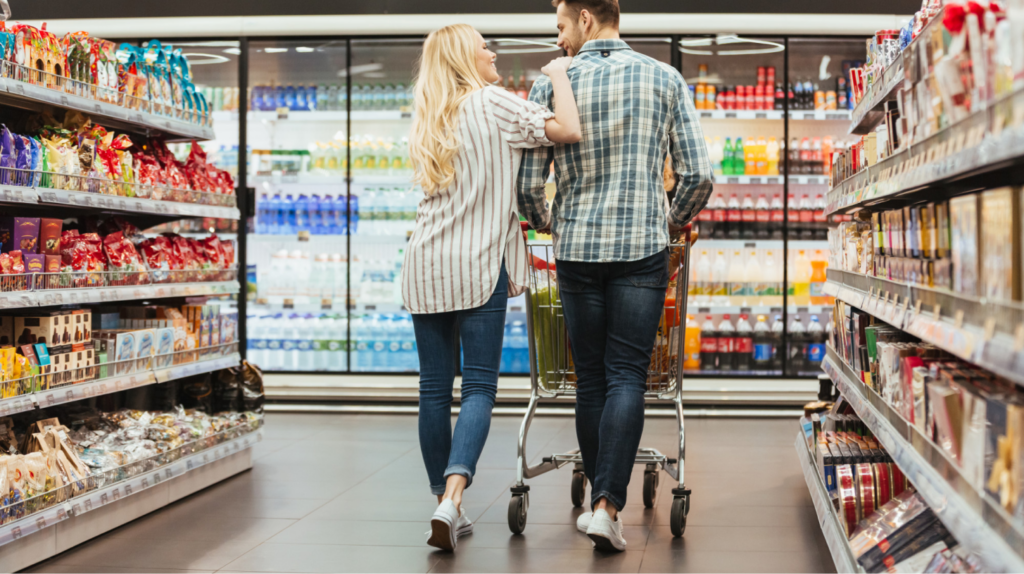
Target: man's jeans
x=612 y=311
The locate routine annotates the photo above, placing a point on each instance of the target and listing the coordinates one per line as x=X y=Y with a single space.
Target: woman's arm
x=565 y=126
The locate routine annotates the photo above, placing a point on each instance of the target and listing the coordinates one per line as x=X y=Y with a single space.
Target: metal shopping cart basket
x=552 y=375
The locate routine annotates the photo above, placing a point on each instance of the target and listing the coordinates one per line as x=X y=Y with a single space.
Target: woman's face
x=485 y=61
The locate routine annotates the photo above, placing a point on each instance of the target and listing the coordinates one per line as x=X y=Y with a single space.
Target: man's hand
x=675 y=231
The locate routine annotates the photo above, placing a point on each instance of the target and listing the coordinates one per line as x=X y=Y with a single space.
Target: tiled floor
x=347 y=493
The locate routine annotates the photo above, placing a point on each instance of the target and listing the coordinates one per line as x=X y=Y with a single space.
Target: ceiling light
x=537 y=47
x=199 y=59
x=275 y=50
x=685 y=46
x=233 y=51
x=361 y=69
x=305 y=49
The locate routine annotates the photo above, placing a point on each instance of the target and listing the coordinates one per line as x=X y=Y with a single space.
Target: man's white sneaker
x=444 y=526
x=583 y=522
x=606 y=534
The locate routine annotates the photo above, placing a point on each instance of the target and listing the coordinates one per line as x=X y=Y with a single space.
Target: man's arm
x=690 y=161
x=534 y=170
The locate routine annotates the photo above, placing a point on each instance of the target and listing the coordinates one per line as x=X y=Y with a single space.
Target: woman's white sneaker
x=583 y=522
x=464 y=526
x=444 y=526
x=606 y=534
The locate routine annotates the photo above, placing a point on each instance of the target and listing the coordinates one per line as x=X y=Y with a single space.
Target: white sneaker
x=464 y=526
x=583 y=522
x=444 y=526
x=606 y=534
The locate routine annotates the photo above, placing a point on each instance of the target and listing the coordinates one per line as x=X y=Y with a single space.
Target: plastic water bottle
x=300 y=99
x=302 y=213
x=274 y=215
x=777 y=328
x=275 y=352
x=389 y=97
x=321 y=98
x=312 y=100
x=340 y=213
x=261 y=214
x=306 y=328
x=289 y=97
x=338 y=346
x=340 y=99
x=280 y=99
x=325 y=209
x=762 y=345
x=357 y=343
x=353 y=219
x=255 y=344
x=316 y=223
x=520 y=348
x=380 y=347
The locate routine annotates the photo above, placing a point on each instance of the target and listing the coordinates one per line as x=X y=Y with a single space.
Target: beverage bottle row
x=807 y=96
x=515 y=351
x=810 y=156
x=384 y=342
x=726 y=348
x=221 y=98
x=807 y=344
x=762 y=96
x=755 y=156
x=294 y=274
x=380 y=156
x=319 y=215
x=298 y=342
x=808 y=277
x=760 y=218
x=388 y=210
x=365 y=97
x=736 y=277
x=521 y=90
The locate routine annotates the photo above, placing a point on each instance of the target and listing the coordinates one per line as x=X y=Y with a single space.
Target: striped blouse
x=453 y=258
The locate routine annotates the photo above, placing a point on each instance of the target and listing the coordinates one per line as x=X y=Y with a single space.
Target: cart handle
x=536 y=262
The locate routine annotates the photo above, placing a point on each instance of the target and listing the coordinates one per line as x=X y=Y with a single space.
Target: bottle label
x=726 y=345
x=319 y=345
x=378 y=346
x=704 y=215
x=778 y=215
x=806 y=216
x=762 y=289
x=259 y=344
x=394 y=346
x=737 y=288
x=719 y=288
x=363 y=346
x=815 y=353
x=748 y=215
x=734 y=216
x=763 y=352
x=817 y=289
x=794 y=216
x=819 y=216
x=743 y=345
x=288 y=345
x=709 y=345
x=763 y=216
x=304 y=345
x=335 y=345
x=718 y=215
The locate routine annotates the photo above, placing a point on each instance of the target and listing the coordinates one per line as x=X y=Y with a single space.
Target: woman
x=466 y=255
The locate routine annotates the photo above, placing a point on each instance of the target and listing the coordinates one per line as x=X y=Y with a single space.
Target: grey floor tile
x=206 y=554
x=90 y=569
x=687 y=560
x=538 y=536
x=332 y=558
x=222 y=528
x=537 y=560
x=355 y=533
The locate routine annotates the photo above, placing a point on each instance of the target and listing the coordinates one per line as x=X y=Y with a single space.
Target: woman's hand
x=557 y=65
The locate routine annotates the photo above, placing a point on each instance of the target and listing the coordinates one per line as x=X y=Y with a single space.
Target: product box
x=963 y=219
x=125 y=349
x=49 y=235
x=228 y=327
x=52 y=263
x=82 y=321
x=942 y=230
x=39 y=329
x=164 y=347
x=146 y=348
x=19 y=233
x=7 y=331
x=1000 y=244
x=34 y=262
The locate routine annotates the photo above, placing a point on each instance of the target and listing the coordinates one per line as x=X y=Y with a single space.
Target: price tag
x=990 y=328
x=48 y=196
x=958 y=320
x=917 y=307
x=18 y=88
x=936 y=312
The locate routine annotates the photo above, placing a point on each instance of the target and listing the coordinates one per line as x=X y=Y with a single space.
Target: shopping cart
x=552 y=375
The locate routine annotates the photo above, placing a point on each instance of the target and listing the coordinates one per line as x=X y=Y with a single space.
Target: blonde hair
x=447 y=76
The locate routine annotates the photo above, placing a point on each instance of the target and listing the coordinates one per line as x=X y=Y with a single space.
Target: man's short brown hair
x=606 y=12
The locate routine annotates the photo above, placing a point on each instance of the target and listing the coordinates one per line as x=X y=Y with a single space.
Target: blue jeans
x=612 y=311
x=482 y=330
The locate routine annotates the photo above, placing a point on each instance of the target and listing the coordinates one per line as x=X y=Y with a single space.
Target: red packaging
x=49 y=235
x=740 y=102
x=199 y=252
x=53 y=263
x=883 y=484
x=751 y=100
x=759 y=98
x=17 y=263
x=183 y=255
x=227 y=248
x=866 y=489
x=5 y=264
x=760 y=75
x=211 y=247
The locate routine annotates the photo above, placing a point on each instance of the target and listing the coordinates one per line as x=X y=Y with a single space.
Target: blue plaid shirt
x=611 y=203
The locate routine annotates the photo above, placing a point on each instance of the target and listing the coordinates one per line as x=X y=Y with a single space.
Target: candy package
x=8 y=156
x=124 y=259
x=154 y=253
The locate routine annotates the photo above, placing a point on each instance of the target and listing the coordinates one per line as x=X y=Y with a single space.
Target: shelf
x=770 y=179
x=973 y=518
x=14 y=92
x=75 y=509
x=983 y=149
x=818 y=115
x=831 y=528
x=292 y=116
x=693 y=307
x=82 y=199
x=870 y=111
x=42 y=297
x=141 y=378
x=989 y=334
x=333 y=179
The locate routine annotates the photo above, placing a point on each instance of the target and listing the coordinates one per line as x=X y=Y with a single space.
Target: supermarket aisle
x=345 y=493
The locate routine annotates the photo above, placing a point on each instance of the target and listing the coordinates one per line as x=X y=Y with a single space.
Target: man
x=611 y=234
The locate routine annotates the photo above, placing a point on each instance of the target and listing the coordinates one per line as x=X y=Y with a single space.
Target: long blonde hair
x=447 y=76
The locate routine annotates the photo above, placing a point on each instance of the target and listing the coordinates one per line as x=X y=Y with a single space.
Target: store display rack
x=989 y=334
x=976 y=520
x=828 y=518
x=125 y=375
x=987 y=143
x=314 y=116
x=770 y=179
x=46 y=289
x=61 y=92
x=869 y=111
x=816 y=115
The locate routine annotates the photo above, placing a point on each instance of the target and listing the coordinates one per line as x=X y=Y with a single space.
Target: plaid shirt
x=611 y=202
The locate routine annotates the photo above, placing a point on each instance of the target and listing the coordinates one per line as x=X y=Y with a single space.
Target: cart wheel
x=517 y=513
x=650 y=489
x=680 y=507
x=579 y=488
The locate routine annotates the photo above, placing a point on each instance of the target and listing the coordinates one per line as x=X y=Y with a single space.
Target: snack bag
x=37 y=162
x=154 y=252
x=214 y=253
x=8 y=156
x=22 y=161
x=124 y=259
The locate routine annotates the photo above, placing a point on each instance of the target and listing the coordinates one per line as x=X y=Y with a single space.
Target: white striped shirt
x=453 y=259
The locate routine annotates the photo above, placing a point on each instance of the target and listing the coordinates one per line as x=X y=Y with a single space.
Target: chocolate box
x=23 y=234
x=49 y=235
x=52 y=263
x=34 y=262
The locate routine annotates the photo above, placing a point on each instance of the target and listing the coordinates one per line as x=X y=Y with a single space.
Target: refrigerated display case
x=327 y=131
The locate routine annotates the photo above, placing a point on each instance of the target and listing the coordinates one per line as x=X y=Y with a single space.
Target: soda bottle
x=699 y=102
x=820 y=219
x=816 y=289
x=797 y=97
x=719 y=223
x=691 y=345
x=738 y=165
x=751 y=98
x=754 y=277
x=703 y=283
x=795 y=165
x=797 y=346
x=761 y=156
x=710 y=98
x=726 y=345
x=806 y=217
x=773 y=281
x=734 y=217
x=719 y=280
x=801 y=279
x=708 y=346
x=762 y=216
x=815 y=343
x=780 y=96
x=727 y=151
x=762 y=355
x=716 y=153
x=737 y=280
x=772 y=156
x=777 y=217
x=748 y=216
x=743 y=345
x=794 y=217
x=777 y=329
x=749 y=156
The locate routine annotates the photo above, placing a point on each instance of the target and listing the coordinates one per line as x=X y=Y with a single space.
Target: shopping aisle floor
x=348 y=493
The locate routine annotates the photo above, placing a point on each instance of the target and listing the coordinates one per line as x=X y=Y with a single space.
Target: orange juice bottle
x=691 y=345
x=817 y=287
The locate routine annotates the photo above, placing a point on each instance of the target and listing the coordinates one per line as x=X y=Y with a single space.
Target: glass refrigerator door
x=383 y=203
x=736 y=276
x=298 y=250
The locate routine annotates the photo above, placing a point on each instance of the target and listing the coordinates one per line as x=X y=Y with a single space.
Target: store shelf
x=695 y=307
x=10 y=299
x=815 y=115
x=770 y=179
x=973 y=518
x=332 y=179
x=870 y=111
x=17 y=93
x=291 y=116
x=105 y=386
x=47 y=533
x=983 y=149
x=82 y=199
x=828 y=519
x=989 y=334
